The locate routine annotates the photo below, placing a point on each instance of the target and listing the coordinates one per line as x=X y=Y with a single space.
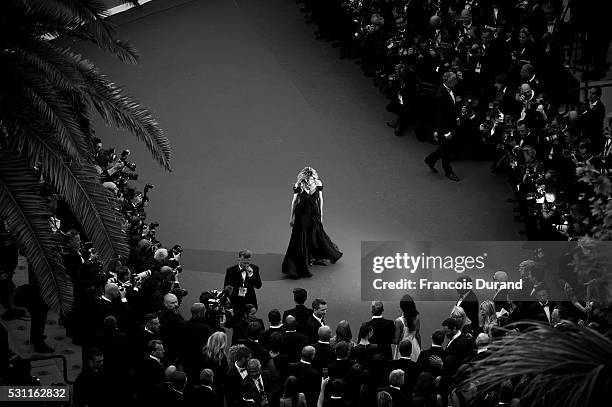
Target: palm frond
x=79 y=185
x=25 y=212
x=567 y=367
x=124 y=112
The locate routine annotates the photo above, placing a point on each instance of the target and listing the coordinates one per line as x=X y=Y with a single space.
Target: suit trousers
x=444 y=153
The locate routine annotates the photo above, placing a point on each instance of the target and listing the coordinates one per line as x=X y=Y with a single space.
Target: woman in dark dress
x=309 y=244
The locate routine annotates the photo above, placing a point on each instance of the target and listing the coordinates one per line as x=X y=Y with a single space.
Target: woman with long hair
x=214 y=357
x=458 y=313
x=407 y=327
x=487 y=317
x=291 y=395
x=309 y=244
x=343 y=334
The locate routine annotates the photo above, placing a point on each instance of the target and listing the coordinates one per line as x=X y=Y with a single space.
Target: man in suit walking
x=301 y=313
x=324 y=354
x=244 y=279
x=149 y=376
x=444 y=125
x=236 y=374
x=316 y=320
x=309 y=379
x=383 y=330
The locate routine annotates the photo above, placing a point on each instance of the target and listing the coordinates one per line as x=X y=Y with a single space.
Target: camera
x=129 y=165
x=217 y=303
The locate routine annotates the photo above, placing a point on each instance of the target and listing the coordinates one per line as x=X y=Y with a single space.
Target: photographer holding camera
x=244 y=280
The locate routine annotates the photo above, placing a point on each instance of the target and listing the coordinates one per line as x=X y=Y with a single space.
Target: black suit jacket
x=399 y=397
x=258 y=352
x=426 y=365
x=383 y=333
x=411 y=373
x=312 y=329
x=340 y=369
x=324 y=356
x=536 y=312
x=149 y=378
x=203 y=396
x=271 y=389
x=193 y=335
x=264 y=338
x=293 y=343
x=444 y=114
x=462 y=348
x=233 y=382
x=500 y=299
x=301 y=314
x=309 y=381
x=233 y=277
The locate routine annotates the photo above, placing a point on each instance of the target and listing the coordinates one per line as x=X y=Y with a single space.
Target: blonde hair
x=307 y=172
x=487 y=316
x=458 y=313
x=215 y=347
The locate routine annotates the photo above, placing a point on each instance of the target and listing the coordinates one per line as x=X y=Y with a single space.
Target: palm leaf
x=79 y=185
x=124 y=112
x=25 y=212
x=568 y=367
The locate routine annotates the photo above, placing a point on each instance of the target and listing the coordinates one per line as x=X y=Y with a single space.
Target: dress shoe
x=431 y=165
x=42 y=347
x=452 y=176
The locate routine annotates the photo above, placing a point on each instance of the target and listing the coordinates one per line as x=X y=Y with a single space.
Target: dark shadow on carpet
x=217 y=261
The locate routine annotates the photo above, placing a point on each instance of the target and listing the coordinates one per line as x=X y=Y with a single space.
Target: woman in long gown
x=407 y=327
x=309 y=244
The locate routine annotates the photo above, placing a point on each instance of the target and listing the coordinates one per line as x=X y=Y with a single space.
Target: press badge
x=242 y=291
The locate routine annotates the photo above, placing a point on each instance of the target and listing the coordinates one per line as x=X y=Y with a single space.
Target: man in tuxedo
x=110 y=303
x=444 y=125
x=149 y=376
x=244 y=279
x=383 y=330
x=262 y=383
x=593 y=118
x=469 y=302
x=147 y=332
x=506 y=96
x=396 y=390
x=301 y=313
x=324 y=354
x=460 y=346
x=293 y=341
x=274 y=317
x=309 y=379
x=236 y=375
x=411 y=369
x=202 y=394
x=542 y=309
x=316 y=320
x=280 y=361
x=435 y=352
x=341 y=367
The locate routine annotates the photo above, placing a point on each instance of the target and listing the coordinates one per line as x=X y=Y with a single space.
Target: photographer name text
x=425 y=284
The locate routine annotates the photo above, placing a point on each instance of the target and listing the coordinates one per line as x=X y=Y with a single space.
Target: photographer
x=244 y=279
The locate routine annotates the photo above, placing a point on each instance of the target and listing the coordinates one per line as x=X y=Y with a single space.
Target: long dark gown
x=308 y=238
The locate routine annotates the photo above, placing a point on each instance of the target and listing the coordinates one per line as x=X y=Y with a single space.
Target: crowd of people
x=489 y=78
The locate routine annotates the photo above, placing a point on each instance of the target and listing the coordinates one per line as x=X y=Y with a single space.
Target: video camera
x=217 y=303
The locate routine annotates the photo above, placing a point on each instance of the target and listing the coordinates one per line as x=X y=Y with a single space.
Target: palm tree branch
x=27 y=216
x=79 y=185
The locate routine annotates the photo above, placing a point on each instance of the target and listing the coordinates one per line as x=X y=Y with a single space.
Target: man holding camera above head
x=244 y=279
x=444 y=125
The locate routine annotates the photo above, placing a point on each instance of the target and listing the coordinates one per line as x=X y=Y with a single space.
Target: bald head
x=111 y=290
x=525 y=88
x=435 y=21
x=325 y=333
x=482 y=340
x=308 y=353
